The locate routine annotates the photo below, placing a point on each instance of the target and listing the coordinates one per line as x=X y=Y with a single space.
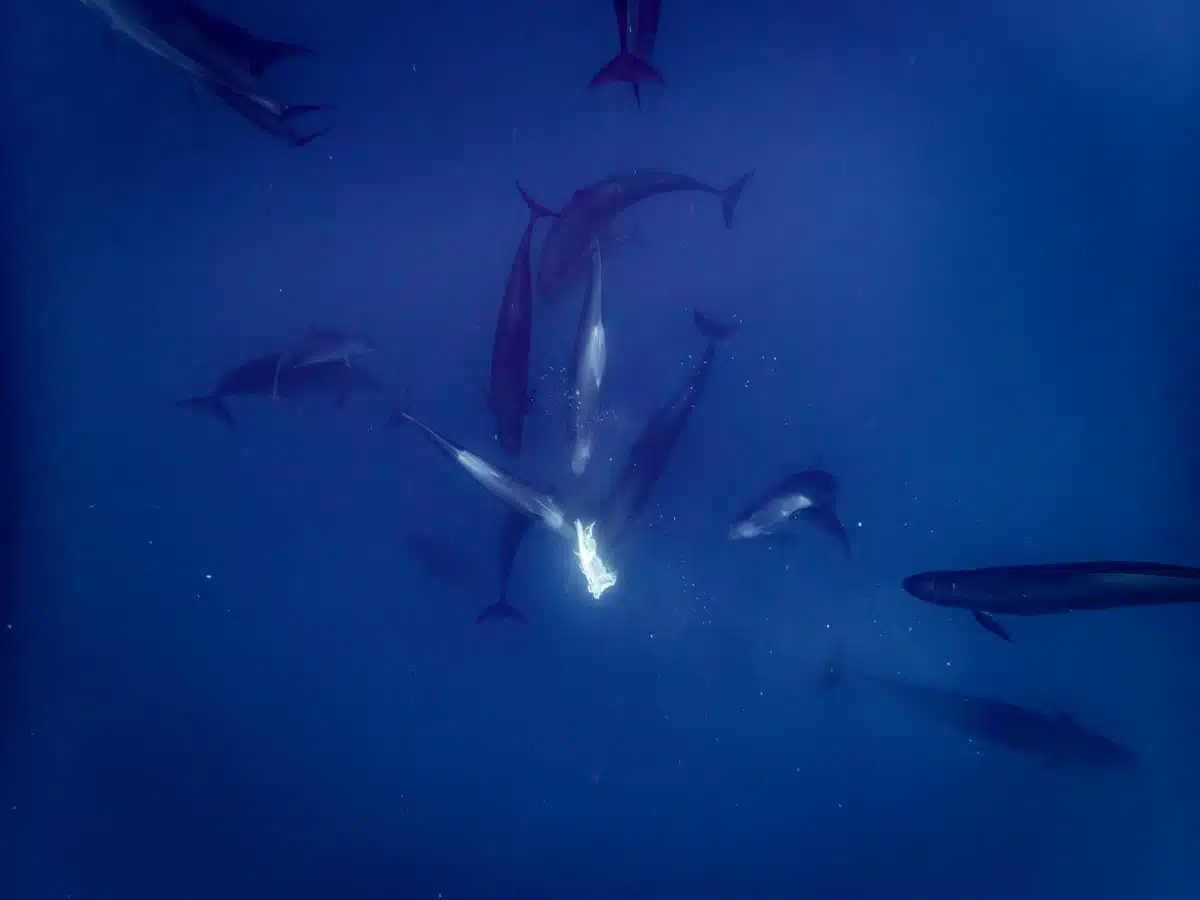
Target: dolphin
x=280 y=126
x=1055 y=588
x=1055 y=738
x=508 y=395
x=512 y=531
x=650 y=453
x=262 y=377
x=212 y=51
x=633 y=66
x=591 y=211
x=589 y=356
x=515 y=492
x=809 y=496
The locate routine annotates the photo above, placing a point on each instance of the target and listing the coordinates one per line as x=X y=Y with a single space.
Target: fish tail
x=730 y=197
x=212 y=404
x=501 y=609
x=712 y=329
x=626 y=68
x=536 y=209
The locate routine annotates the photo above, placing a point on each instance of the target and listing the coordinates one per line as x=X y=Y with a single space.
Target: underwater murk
x=504 y=451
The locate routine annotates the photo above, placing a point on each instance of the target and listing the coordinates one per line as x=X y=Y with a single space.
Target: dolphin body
x=589 y=358
x=515 y=492
x=591 y=211
x=214 y=52
x=1055 y=588
x=508 y=395
x=650 y=453
x=1056 y=738
x=808 y=496
x=512 y=531
x=632 y=65
x=263 y=377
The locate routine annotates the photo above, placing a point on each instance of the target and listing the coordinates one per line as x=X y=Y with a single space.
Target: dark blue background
x=967 y=272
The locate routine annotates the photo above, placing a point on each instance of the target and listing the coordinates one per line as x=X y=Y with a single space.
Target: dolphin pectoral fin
x=730 y=197
x=988 y=621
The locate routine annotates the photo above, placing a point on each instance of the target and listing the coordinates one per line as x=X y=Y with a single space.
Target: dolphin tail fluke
x=501 y=609
x=712 y=329
x=626 y=68
x=536 y=209
x=989 y=622
x=211 y=404
x=730 y=197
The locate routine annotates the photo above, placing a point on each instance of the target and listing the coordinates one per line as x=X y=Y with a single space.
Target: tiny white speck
x=860 y=524
x=208 y=577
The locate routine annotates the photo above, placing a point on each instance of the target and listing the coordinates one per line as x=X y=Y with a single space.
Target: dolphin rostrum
x=1055 y=588
x=591 y=211
x=589 y=356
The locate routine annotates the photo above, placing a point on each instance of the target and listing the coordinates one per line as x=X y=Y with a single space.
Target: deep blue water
x=966 y=272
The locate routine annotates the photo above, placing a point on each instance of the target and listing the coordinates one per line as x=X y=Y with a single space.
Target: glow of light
x=599 y=577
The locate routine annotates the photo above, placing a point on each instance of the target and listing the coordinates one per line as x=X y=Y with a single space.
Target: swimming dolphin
x=591 y=211
x=808 y=496
x=650 y=453
x=589 y=356
x=214 y=52
x=1056 y=738
x=282 y=126
x=512 y=531
x=262 y=377
x=1055 y=588
x=508 y=395
x=633 y=66
x=515 y=492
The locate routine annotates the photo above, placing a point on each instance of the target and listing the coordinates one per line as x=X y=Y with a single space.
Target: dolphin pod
x=232 y=64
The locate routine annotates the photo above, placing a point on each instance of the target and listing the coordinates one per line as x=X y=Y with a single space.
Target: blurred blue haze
x=966 y=269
